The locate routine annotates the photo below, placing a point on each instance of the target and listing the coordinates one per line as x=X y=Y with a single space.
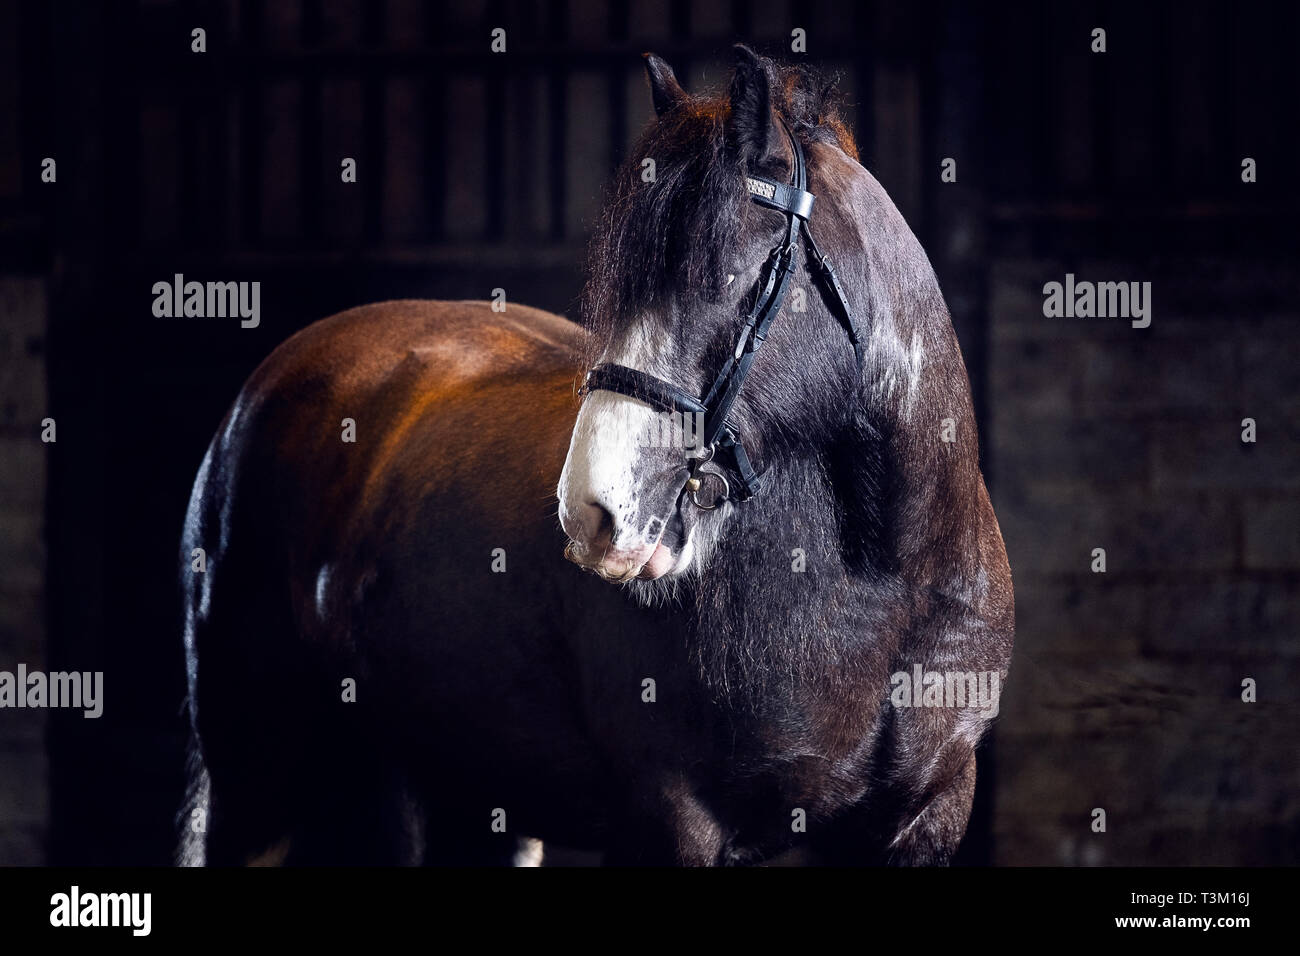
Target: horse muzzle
x=620 y=566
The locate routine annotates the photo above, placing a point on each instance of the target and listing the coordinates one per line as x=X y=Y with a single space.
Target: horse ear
x=751 y=125
x=664 y=88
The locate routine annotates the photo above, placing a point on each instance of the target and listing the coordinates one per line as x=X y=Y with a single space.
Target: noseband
x=721 y=442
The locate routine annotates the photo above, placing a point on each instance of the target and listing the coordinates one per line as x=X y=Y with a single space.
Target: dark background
x=479 y=171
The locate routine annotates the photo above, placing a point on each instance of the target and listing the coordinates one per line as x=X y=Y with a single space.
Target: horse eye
x=730 y=278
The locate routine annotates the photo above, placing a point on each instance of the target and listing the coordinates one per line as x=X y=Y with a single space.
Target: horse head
x=723 y=345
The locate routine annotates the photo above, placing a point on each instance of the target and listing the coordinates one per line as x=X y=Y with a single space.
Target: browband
x=779 y=196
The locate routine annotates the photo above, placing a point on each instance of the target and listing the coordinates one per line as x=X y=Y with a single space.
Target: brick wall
x=23 y=783
x=1125 y=690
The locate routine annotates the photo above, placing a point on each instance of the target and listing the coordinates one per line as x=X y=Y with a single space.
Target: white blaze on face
x=600 y=468
x=608 y=441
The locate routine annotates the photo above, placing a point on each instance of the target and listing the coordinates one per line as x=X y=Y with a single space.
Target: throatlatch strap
x=837 y=301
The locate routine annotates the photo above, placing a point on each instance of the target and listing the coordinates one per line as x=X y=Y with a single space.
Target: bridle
x=721 y=442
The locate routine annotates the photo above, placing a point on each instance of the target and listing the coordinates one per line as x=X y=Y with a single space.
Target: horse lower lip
x=659 y=563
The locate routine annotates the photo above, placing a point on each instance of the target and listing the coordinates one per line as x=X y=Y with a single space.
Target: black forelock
x=671 y=236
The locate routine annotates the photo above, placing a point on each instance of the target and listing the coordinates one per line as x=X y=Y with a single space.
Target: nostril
x=601 y=523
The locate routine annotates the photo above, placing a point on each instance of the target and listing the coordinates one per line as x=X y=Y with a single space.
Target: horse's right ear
x=751 y=124
x=664 y=88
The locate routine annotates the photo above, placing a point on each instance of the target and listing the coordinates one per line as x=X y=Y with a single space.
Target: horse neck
x=816 y=563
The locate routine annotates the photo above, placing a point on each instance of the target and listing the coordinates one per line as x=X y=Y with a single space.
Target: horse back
x=371 y=459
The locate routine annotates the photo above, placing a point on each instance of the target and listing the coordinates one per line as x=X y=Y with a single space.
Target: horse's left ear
x=664 y=88
x=751 y=125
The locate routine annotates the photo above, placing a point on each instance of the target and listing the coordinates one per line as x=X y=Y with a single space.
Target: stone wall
x=1126 y=686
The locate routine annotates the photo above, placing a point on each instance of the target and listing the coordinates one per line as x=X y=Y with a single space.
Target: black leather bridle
x=720 y=441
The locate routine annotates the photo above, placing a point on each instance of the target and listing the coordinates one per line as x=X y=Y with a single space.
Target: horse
x=389 y=658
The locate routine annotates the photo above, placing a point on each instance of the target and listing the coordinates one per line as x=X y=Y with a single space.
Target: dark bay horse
x=389 y=659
